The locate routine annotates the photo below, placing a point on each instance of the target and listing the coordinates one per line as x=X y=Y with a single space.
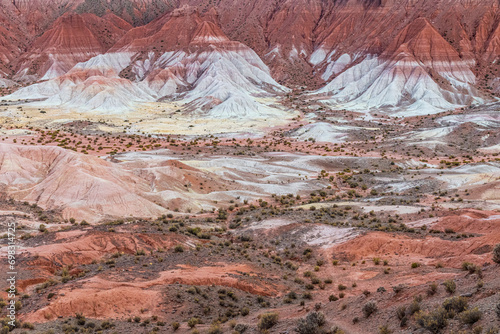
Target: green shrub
x=434 y=320
x=311 y=324
x=414 y=307
x=175 y=325
x=432 y=289
x=268 y=320
x=28 y=325
x=492 y=330
x=215 y=329
x=193 y=322
x=336 y=330
x=384 y=329
x=496 y=254
x=401 y=312
x=455 y=304
x=471 y=267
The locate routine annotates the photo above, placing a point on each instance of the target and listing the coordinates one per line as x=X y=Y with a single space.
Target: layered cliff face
x=71 y=39
x=183 y=56
x=420 y=55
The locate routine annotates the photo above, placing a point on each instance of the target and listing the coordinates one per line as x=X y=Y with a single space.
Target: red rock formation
x=300 y=40
x=72 y=38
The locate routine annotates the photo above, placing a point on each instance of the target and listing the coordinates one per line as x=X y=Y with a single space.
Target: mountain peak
x=208 y=33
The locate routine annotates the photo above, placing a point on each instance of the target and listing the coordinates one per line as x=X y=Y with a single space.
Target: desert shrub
x=369 y=309
x=455 y=304
x=175 y=325
x=107 y=324
x=497 y=311
x=307 y=295
x=471 y=316
x=80 y=319
x=450 y=286
x=434 y=320
x=466 y=266
x=496 y=254
x=432 y=289
x=336 y=330
x=333 y=298
x=472 y=268
x=178 y=249
x=311 y=324
x=401 y=312
x=415 y=265
x=193 y=322
x=268 y=320
x=492 y=330
x=240 y=328
x=215 y=329
x=28 y=325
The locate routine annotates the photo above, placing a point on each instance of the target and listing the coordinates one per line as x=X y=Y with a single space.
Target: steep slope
x=419 y=70
x=72 y=38
x=43 y=176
